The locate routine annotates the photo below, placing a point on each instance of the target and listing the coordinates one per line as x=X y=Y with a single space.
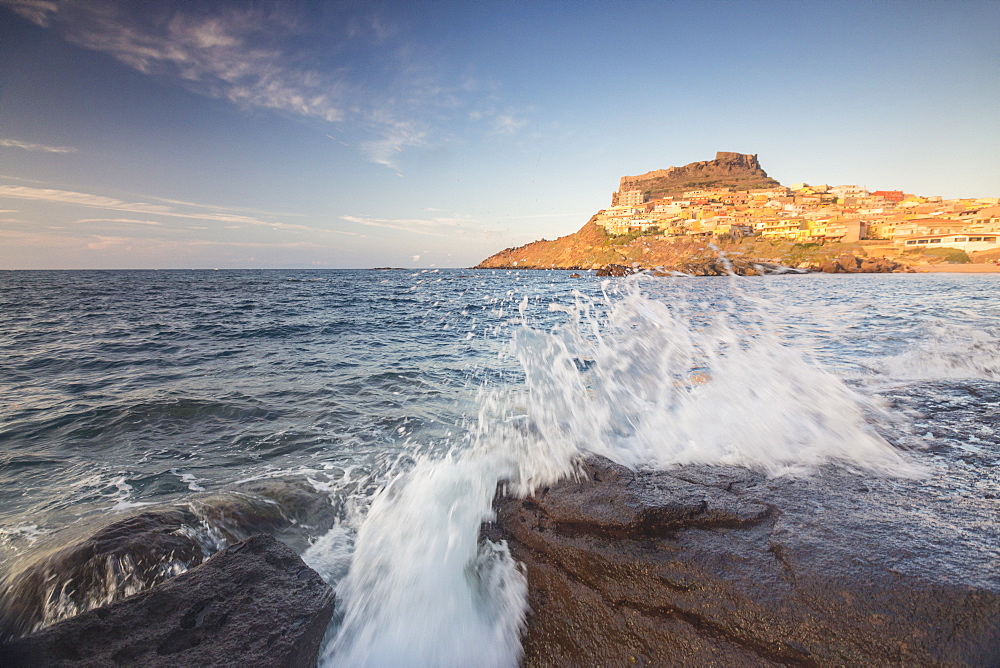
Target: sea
x=400 y=399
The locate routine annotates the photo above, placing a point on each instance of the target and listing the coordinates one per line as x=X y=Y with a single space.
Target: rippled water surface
x=401 y=397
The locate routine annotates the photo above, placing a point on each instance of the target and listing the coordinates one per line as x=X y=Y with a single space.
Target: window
x=935 y=241
x=921 y=241
x=957 y=239
x=990 y=239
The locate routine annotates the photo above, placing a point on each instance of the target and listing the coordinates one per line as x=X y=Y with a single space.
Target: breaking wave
x=642 y=379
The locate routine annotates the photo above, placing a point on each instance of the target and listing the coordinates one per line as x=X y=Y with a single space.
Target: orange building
x=890 y=195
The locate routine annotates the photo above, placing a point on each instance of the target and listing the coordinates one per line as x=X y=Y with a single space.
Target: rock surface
x=718 y=566
x=728 y=170
x=255 y=603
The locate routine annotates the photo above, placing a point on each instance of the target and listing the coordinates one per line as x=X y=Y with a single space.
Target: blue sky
x=416 y=134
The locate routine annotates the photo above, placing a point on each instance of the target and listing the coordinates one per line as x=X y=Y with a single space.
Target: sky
x=304 y=134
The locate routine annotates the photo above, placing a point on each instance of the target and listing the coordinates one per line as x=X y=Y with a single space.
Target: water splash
x=646 y=381
x=421 y=589
x=948 y=352
x=669 y=383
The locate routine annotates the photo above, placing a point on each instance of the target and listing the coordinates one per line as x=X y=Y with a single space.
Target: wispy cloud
x=41 y=148
x=508 y=124
x=128 y=221
x=395 y=135
x=343 y=64
x=235 y=52
x=192 y=212
x=39 y=12
x=441 y=226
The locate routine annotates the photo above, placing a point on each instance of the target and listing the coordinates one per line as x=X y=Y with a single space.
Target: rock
x=616 y=270
x=574 y=275
x=736 y=170
x=848 y=263
x=254 y=603
x=138 y=552
x=120 y=559
x=717 y=565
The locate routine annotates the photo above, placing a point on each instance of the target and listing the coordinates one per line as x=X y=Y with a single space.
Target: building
x=889 y=195
x=928 y=227
x=961 y=241
x=630 y=198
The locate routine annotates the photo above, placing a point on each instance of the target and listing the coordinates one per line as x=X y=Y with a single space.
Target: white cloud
x=102 y=243
x=508 y=124
x=39 y=12
x=394 y=135
x=117 y=220
x=41 y=148
x=193 y=212
x=442 y=226
x=234 y=54
x=268 y=56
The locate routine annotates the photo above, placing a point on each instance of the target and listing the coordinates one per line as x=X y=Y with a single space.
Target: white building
x=962 y=241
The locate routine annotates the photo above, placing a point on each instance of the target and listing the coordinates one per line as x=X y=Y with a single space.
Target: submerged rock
x=255 y=603
x=716 y=565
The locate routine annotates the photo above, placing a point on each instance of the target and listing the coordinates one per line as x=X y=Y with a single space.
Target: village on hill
x=806 y=213
x=678 y=219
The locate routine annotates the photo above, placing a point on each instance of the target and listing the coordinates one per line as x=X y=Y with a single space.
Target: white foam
x=667 y=384
x=948 y=352
x=421 y=590
x=642 y=381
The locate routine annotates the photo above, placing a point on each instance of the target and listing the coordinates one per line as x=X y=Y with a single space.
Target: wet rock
x=120 y=559
x=138 y=552
x=616 y=270
x=254 y=603
x=713 y=565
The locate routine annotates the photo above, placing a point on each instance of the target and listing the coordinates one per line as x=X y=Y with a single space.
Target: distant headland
x=674 y=219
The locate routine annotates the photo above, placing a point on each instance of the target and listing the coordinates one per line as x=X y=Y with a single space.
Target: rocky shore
x=740 y=266
x=592 y=249
x=253 y=604
x=698 y=565
x=722 y=566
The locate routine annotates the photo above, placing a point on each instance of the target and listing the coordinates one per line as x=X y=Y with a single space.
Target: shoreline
x=969 y=268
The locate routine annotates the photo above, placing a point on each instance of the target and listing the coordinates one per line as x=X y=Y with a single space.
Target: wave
x=948 y=352
x=642 y=380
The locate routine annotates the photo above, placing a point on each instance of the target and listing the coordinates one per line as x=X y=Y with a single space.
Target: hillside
x=593 y=248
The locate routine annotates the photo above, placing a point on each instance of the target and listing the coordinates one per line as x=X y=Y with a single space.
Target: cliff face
x=728 y=170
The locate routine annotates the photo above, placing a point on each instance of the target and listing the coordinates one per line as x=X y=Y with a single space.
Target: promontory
x=679 y=219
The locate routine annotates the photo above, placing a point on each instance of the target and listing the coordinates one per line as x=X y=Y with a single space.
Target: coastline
x=970 y=268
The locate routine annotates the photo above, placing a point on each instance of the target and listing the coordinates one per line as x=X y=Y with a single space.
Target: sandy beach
x=984 y=268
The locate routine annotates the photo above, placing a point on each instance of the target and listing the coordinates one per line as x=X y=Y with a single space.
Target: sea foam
x=643 y=380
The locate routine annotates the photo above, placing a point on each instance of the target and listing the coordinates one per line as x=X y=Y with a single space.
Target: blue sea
x=396 y=400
